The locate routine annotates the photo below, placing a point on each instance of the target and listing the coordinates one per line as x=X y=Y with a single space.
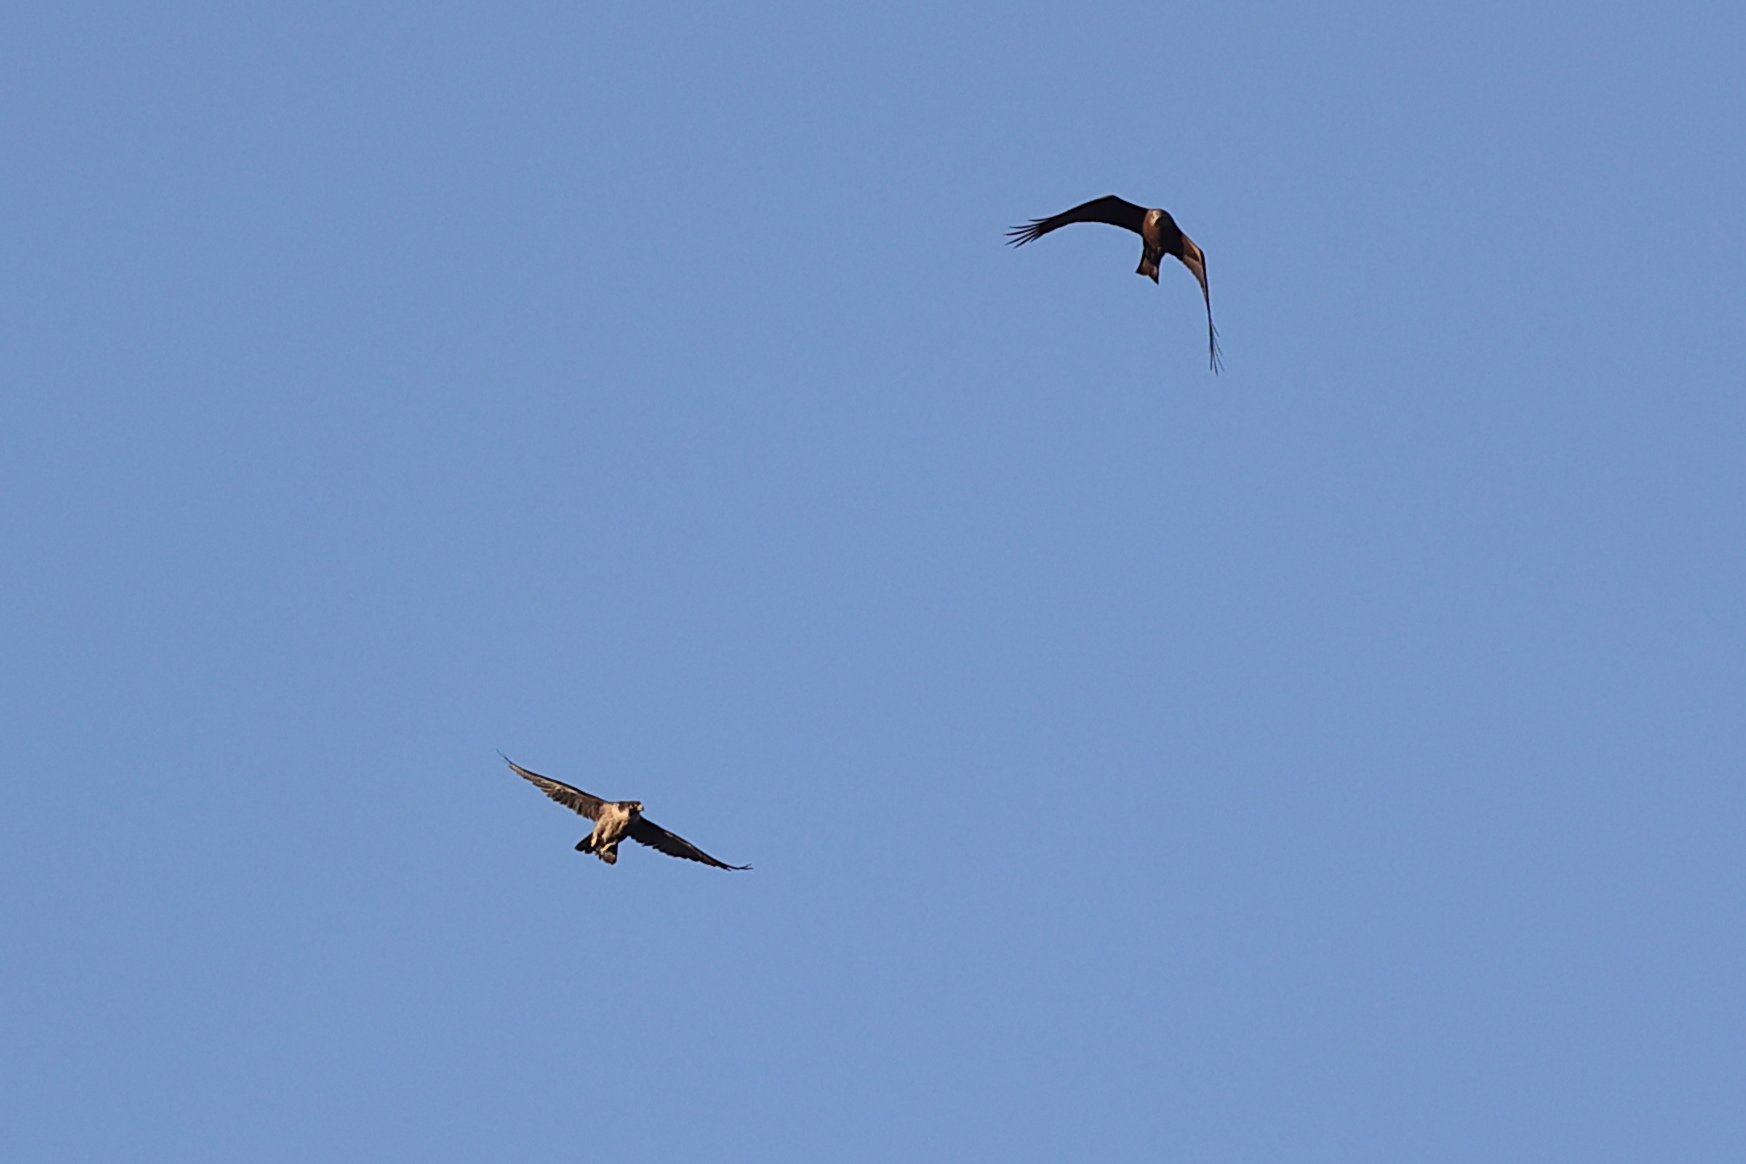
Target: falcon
x=614 y=820
x=1159 y=236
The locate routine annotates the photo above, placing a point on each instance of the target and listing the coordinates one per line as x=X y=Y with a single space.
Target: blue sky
x=1335 y=759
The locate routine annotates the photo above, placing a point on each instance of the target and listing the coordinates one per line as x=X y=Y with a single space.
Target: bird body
x=614 y=821
x=1159 y=236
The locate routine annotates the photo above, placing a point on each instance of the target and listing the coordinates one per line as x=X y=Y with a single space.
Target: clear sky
x=1336 y=759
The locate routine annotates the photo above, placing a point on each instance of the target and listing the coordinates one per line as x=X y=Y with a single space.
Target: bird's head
x=635 y=806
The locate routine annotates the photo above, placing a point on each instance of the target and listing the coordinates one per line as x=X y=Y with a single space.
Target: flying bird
x=614 y=820
x=1159 y=236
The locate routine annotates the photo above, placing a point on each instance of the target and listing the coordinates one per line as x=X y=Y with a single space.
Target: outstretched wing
x=647 y=832
x=1195 y=260
x=571 y=798
x=1115 y=211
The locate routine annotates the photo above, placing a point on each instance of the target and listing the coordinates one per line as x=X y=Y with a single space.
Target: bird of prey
x=1159 y=236
x=614 y=820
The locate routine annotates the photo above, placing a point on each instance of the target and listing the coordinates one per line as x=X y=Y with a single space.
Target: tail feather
x=607 y=853
x=1148 y=267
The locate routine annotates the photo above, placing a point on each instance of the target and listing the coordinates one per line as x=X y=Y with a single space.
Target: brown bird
x=1158 y=233
x=614 y=820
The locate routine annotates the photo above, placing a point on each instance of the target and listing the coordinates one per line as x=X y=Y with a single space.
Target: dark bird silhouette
x=614 y=820
x=1159 y=236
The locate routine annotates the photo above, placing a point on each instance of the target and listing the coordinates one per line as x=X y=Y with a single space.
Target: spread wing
x=1115 y=211
x=571 y=798
x=1195 y=260
x=647 y=832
